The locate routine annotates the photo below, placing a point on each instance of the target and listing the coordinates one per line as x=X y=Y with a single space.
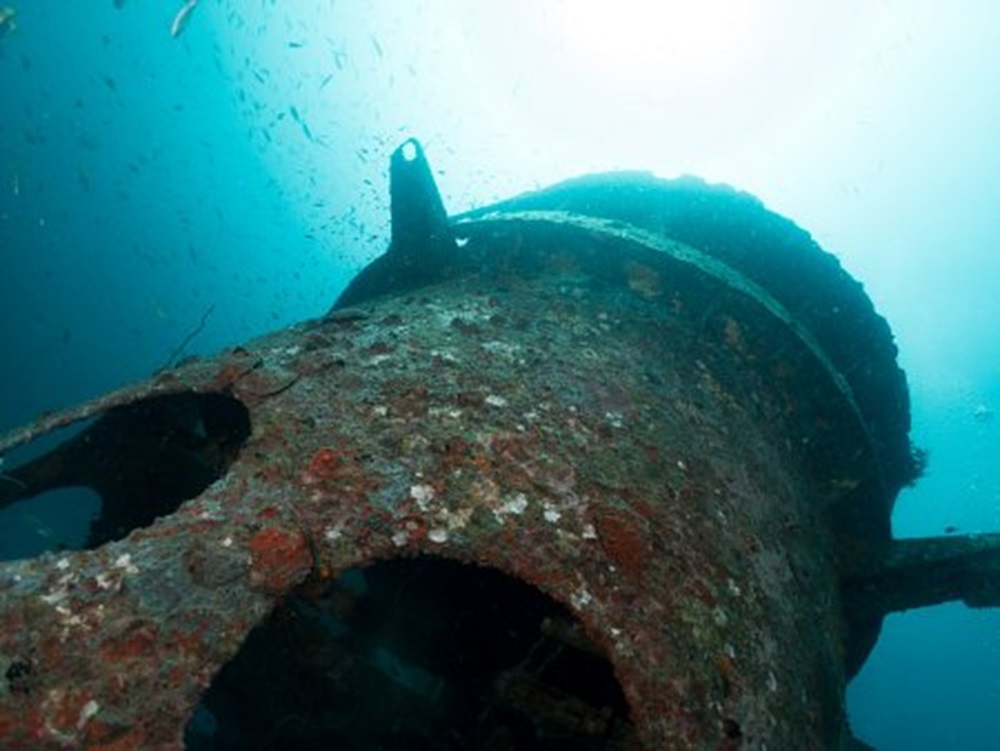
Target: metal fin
x=422 y=249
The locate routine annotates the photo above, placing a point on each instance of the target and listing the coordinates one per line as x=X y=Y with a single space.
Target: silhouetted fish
x=181 y=19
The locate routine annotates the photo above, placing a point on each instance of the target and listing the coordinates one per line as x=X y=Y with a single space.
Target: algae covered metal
x=609 y=465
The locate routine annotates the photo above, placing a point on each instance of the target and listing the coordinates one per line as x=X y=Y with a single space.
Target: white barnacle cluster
x=124 y=563
x=615 y=419
x=438 y=535
x=513 y=507
x=622 y=641
x=581 y=597
x=444 y=356
x=58 y=595
x=437 y=522
x=505 y=350
x=550 y=513
x=88 y=710
x=422 y=495
x=400 y=537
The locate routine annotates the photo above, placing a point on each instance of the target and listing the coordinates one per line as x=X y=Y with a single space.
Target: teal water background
x=237 y=173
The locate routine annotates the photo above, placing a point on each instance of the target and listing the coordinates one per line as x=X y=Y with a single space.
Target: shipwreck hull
x=662 y=440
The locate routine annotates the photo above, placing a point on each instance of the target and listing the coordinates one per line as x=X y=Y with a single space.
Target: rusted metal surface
x=651 y=436
x=534 y=431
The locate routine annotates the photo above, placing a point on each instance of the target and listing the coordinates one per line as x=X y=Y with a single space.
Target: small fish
x=982 y=413
x=181 y=19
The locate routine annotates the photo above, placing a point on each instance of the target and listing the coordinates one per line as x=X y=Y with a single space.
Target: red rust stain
x=24 y=722
x=279 y=559
x=338 y=472
x=624 y=539
x=325 y=466
x=191 y=641
x=137 y=642
x=416 y=528
x=643 y=508
x=104 y=737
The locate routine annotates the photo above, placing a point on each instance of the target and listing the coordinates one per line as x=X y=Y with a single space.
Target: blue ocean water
x=234 y=174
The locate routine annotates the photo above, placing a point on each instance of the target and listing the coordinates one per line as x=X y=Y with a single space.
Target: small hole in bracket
x=410 y=150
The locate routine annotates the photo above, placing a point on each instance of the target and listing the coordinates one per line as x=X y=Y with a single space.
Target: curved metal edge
x=718 y=270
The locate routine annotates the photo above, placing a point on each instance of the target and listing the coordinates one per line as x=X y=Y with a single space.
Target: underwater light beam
x=672 y=45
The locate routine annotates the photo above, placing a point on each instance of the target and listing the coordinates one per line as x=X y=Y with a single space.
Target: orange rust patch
x=136 y=642
x=333 y=466
x=324 y=466
x=101 y=736
x=338 y=472
x=279 y=559
x=624 y=539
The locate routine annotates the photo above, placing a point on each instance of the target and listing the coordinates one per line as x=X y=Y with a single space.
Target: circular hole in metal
x=142 y=459
x=416 y=653
x=409 y=150
x=51 y=521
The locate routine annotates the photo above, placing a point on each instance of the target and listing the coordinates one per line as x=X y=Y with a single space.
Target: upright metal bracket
x=422 y=249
